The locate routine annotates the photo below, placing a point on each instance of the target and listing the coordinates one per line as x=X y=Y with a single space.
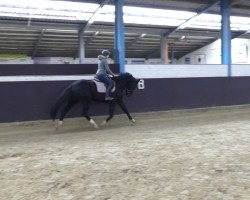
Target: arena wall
x=28 y=91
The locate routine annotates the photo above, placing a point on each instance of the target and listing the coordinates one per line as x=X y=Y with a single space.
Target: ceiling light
x=182 y=37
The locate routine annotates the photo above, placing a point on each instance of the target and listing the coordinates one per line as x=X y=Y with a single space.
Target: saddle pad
x=100 y=86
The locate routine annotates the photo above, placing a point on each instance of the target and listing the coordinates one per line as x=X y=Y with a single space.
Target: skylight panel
x=29 y=13
x=66 y=10
x=47 y=9
x=240 y=23
x=156 y=13
x=241 y=20
x=206 y=25
x=108 y=9
x=49 y=5
x=152 y=21
x=105 y=18
x=206 y=21
x=208 y=17
x=136 y=15
x=140 y=20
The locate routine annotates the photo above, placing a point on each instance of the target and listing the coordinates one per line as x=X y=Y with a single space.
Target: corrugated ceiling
x=59 y=37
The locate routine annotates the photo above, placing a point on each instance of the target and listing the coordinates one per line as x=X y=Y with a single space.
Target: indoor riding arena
x=192 y=143
x=201 y=154
x=188 y=138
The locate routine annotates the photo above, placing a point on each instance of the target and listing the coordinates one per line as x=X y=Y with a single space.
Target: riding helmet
x=105 y=52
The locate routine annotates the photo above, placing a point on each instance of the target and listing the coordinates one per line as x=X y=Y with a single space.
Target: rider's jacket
x=103 y=67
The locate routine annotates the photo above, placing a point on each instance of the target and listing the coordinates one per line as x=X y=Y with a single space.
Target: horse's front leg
x=125 y=110
x=111 y=112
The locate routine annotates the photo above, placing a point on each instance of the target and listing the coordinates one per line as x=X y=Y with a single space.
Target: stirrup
x=109 y=98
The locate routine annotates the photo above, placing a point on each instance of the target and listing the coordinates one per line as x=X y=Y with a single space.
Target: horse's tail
x=61 y=100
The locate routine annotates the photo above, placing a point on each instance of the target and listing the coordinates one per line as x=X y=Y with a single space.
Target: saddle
x=101 y=87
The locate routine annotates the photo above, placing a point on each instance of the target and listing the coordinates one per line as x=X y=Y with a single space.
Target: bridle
x=129 y=92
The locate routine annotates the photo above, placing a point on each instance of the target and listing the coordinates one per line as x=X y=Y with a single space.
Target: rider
x=104 y=71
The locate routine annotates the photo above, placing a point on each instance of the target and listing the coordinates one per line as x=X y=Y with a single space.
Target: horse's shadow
x=86 y=128
x=73 y=129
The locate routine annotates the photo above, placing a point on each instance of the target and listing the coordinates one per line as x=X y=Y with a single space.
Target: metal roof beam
x=38 y=42
x=92 y=37
x=22 y=26
x=199 y=13
x=236 y=35
x=233 y=2
x=81 y=50
x=135 y=40
x=91 y=20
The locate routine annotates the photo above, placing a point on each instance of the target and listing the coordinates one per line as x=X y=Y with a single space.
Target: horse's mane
x=122 y=78
x=126 y=75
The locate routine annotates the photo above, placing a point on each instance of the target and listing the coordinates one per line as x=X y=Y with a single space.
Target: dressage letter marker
x=141 y=85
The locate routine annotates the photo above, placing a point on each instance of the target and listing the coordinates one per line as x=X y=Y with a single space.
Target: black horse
x=85 y=91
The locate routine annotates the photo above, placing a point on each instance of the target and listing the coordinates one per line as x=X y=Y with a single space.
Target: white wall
x=150 y=71
x=240 y=70
x=176 y=71
x=211 y=54
x=185 y=71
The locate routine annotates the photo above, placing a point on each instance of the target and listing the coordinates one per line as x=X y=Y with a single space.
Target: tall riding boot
x=107 y=97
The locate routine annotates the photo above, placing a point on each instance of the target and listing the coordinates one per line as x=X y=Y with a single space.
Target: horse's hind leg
x=64 y=111
x=85 y=113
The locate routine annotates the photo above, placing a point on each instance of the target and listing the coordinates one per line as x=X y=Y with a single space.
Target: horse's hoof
x=92 y=122
x=60 y=123
x=104 y=123
x=96 y=126
x=132 y=120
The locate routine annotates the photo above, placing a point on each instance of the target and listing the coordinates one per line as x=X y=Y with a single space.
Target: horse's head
x=131 y=84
